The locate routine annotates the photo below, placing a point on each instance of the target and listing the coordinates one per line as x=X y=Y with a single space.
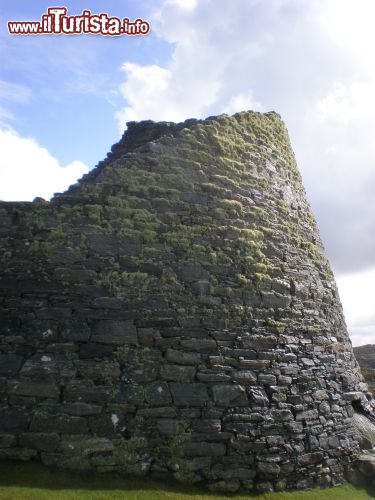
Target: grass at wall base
x=32 y=481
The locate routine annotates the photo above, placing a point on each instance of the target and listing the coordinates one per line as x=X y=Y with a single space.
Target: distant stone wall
x=174 y=314
x=366 y=358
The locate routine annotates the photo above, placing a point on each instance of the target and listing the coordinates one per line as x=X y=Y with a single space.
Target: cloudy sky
x=64 y=100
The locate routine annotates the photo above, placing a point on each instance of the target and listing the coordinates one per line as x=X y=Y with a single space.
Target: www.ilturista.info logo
x=56 y=22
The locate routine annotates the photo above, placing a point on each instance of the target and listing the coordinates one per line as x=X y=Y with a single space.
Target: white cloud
x=350 y=26
x=362 y=335
x=242 y=101
x=346 y=103
x=28 y=170
x=335 y=151
x=185 y=4
x=208 y=71
x=357 y=297
x=310 y=61
x=157 y=93
x=146 y=81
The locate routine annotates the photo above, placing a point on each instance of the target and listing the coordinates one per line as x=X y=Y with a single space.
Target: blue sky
x=64 y=101
x=70 y=84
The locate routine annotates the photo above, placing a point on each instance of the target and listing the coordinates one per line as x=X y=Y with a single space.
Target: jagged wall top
x=140 y=137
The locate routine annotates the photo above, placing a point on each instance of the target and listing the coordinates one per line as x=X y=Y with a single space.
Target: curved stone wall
x=174 y=314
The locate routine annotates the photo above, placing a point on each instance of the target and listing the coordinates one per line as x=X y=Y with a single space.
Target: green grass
x=35 y=482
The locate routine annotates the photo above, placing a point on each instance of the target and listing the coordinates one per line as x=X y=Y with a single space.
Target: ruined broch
x=174 y=314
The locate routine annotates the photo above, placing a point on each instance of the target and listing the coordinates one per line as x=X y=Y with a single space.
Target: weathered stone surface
x=158 y=394
x=177 y=373
x=174 y=313
x=135 y=394
x=310 y=458
x=21 y=454
x=112 y=245
x=183 y=358
x=160 y=412
x=245 y=376
x=255 y=364
x=205 y=449
x=98 y=372
x=76 y=331
x=191 y=271
x=168 y=426
x=146 y=336
x=284 y=415
x=13 y=419
x=189 y=394
x=92 y=350
x=320 y=395
x=87 y=446
x=224 y=486
x=7 y=440
x=115 y=332
x=74 y=275
x=48 y=366
x=85 y=391
x=266 y=379
x=309 y=415
x=361 y=472
x=198 y=344
x=41 y=441
x=268 y=469
x=209 y=376
x=10 y=364
x=259 y=342
x=230 y=395
x=108 y=303
x=82 y=409
x=258 y=395
x=33 y=388
x=107 y=425
x=63 y=424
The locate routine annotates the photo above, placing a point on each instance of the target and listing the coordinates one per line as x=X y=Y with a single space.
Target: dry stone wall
x=174 y=314
x=365 y=356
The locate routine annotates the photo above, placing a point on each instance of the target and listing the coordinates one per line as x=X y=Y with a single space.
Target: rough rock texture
x=365 y=355
x=361 y=473
x=174 y=314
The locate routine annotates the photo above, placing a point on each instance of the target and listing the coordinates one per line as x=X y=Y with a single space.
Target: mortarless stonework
x=174 y=314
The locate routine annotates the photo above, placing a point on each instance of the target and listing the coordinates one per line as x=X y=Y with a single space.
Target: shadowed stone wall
x=174 y=314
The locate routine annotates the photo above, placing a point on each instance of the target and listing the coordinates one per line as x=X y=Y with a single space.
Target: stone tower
x=174 y=314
